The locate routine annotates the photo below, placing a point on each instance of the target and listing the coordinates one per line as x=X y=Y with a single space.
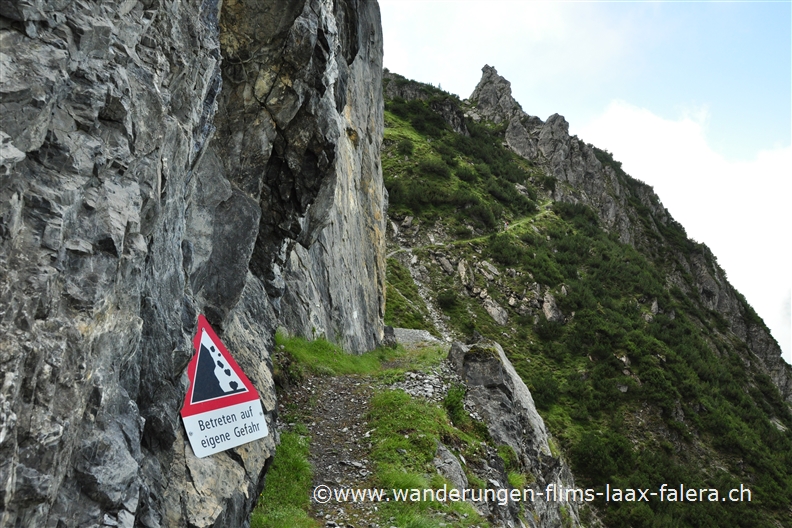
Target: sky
x=694 y=98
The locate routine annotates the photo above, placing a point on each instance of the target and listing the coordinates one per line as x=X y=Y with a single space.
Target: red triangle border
x=190 y=409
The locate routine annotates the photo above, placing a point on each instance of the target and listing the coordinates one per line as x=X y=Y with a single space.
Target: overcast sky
x=694 y=98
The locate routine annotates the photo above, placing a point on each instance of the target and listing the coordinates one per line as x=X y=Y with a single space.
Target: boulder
x=448 y=466
x=497 y=394
x=496 y=312
x=492 y=269
x=550 y=309
x=446 y=265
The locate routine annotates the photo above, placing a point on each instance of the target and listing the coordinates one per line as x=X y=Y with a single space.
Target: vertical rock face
x=159 y=159
x=300 y=131
x=583 y=178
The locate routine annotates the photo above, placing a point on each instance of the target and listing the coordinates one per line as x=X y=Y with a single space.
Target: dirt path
x=333 y=409
x=542 y=211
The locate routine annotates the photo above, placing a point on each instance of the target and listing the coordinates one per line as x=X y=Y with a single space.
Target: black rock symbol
x=233 y=385
x=220 y=364
x=227 y=372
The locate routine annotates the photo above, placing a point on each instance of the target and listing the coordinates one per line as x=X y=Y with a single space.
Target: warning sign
x=222 y=407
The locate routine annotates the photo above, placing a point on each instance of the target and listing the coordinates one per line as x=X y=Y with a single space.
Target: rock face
x=161 y=160
x=299 y=130
x=499 y=396
x=583 y=178
x=569 y=160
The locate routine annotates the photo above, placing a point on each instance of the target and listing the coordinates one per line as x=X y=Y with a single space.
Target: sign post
x=222 y=408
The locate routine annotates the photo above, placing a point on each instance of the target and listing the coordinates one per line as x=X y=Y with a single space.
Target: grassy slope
x=693 y=412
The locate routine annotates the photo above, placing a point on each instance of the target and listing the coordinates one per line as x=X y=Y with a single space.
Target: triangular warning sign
x=216 y=381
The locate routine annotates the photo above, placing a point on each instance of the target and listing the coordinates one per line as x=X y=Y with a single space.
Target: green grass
x=404 y=307
x=407 y=432
x=320 y=357
x=324 y=358
x=286 y=496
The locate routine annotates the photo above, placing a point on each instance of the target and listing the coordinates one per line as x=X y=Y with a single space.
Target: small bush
x=405 y=147
x=506 y=250
x=483 y=214
x=466 y=173
x=483 y=171
x=434 y=167
x=465 y=197
x=447 y=299
x=454 y=404
x=545 y=390
x=548 y=330
x=462 y=231
x=548 y=182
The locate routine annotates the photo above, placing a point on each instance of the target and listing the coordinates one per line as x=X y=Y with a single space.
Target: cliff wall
x=159 y=160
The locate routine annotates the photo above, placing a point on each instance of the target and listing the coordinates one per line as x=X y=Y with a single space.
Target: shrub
x=454 y=404
x=462 y=231
x=483 y=171
x=548 y=182
x=506 y=250
x=447 y=299
x=405 y=147
x=544 y=389
x=482 y=213
x=434 y=167
x=466 y=173
x=465 y=197
x=548 y=330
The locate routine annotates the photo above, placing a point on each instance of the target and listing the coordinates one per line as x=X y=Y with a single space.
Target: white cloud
x=739 y=209
x=533 y=44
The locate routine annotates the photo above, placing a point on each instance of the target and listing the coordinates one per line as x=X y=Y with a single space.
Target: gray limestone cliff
x=159 y=160
x=499 y=396
x=620 y=202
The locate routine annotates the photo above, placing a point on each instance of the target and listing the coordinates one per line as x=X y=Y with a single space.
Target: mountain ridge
x=598 y=185
x=575 y=257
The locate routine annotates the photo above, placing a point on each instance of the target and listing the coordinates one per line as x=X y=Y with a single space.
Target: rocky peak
x=493 y=97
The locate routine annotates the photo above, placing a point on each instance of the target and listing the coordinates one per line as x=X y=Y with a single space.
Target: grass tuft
x=286 y=497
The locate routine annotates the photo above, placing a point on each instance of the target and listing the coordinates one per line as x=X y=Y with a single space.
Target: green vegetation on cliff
x=641 y=383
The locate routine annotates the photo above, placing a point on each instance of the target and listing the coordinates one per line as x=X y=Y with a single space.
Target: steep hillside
x=642 y=359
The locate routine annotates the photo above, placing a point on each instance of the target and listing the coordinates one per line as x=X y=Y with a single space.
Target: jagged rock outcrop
x=159 y=160
x=568 y=159
x=583 y=178
x=499 y=396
